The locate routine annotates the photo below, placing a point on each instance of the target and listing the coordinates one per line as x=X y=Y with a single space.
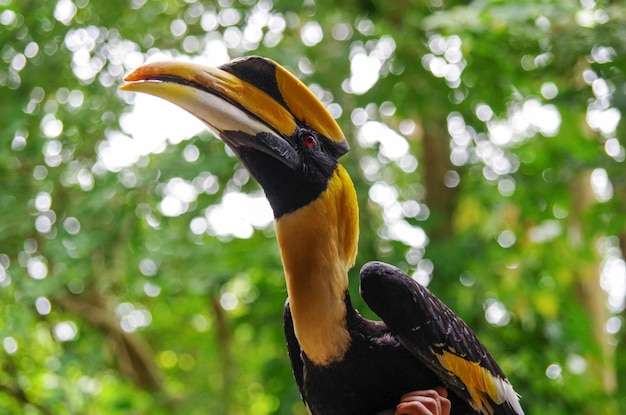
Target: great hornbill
x=342 y=363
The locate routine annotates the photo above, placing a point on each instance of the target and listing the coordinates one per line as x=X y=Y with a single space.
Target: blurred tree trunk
x=587 y=277
x=436 y=161
x=224 y=343
x=620 y=361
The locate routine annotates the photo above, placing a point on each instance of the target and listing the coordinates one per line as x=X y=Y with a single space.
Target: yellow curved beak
x=251 y=102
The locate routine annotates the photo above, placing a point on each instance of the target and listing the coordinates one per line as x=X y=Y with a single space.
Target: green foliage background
x=514 y=227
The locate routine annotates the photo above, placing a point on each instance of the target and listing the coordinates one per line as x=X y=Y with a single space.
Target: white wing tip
x=507 y=395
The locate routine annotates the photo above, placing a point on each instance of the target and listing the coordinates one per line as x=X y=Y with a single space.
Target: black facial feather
x=319 y=160
x=288 y=190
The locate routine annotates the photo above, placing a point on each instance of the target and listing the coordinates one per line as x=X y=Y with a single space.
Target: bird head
x=278 y=129
x=274 y=124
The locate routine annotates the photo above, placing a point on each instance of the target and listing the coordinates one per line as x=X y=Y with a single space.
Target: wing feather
x=438 y=338
x=294 y=350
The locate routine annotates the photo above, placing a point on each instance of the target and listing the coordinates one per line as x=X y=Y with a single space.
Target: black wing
x=438 y=338
x=294 y=350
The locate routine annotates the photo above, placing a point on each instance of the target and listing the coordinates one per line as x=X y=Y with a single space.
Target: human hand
x=428 y=402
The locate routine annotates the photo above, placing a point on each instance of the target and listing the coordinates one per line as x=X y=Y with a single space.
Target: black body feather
x=390 y=358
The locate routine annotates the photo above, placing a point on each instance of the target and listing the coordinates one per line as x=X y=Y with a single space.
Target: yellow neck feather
x=318 y=245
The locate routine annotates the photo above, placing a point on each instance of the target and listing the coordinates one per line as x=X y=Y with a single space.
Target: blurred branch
x=134 y=356
x=17 y=393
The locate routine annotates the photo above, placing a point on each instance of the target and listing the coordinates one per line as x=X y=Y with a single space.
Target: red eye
x=309 y=140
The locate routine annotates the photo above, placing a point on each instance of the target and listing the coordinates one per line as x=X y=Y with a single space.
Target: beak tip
x=139 y=75
x=135 y=75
